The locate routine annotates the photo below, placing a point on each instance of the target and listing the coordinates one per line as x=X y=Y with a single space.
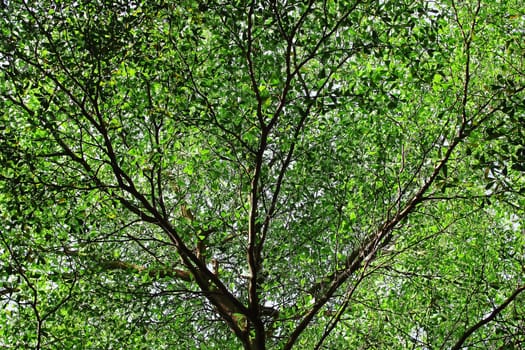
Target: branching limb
x=374 y=243
x=489 y=318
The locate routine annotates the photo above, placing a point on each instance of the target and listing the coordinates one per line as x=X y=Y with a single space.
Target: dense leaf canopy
x=262 y=174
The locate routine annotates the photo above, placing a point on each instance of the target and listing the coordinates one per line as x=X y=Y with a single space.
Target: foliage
x=234 y=174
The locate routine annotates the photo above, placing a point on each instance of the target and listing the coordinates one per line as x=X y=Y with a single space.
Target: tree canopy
x=262 y=174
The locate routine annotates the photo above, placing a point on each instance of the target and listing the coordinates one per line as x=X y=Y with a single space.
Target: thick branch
x=493 y=314
x=373 y=244
x=225 y=302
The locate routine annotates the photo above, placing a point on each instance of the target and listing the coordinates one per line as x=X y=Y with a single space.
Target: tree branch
x=493 y=314
x=373 y=244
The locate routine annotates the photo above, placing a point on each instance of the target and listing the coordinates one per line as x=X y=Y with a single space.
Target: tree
x=262 y=174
